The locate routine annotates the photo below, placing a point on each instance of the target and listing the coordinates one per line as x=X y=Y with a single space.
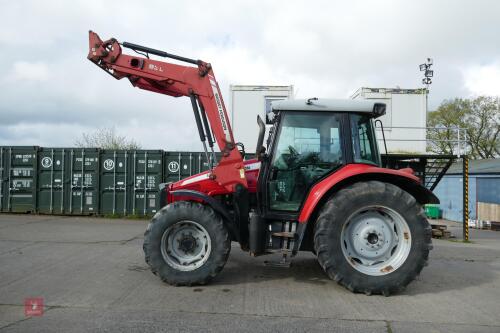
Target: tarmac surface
x=91 y=275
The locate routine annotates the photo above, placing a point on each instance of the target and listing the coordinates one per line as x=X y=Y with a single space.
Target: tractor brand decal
x=195 y=179
x=109 y=164
x=153 y=67
x=173 y=166
x=220 y=110
x=46 y=162
x=253 y=166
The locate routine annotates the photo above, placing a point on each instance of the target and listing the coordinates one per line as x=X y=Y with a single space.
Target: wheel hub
x=187 y=243
x=371 y=240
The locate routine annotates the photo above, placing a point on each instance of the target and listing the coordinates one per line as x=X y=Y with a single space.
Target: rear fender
x=353 y=173
x=350 y=174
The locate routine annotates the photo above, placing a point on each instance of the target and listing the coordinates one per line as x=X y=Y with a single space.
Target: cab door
x=308 y=146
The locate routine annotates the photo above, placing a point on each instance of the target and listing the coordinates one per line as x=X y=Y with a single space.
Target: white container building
x=248 y=101
x=405 y=119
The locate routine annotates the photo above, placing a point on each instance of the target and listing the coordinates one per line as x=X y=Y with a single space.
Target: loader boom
x=198 y=83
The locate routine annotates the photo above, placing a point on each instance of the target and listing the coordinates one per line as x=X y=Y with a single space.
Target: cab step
x=288 y=236
x=284 y=234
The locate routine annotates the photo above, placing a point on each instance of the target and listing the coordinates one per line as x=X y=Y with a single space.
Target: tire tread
x=336 y=204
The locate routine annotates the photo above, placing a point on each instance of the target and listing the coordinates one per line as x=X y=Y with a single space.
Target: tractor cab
x=311 y=139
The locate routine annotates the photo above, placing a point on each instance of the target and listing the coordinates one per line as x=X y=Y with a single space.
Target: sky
x=50 y=93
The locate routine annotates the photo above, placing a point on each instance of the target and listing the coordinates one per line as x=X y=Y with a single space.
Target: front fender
x=216 y=206
x=203 y=197
x=353 y=173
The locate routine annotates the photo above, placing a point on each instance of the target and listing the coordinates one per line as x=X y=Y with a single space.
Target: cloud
x=483 y=79
x=51 y=93
x=29 y=71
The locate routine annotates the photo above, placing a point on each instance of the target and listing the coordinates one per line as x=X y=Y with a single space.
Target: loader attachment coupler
x=103 y=53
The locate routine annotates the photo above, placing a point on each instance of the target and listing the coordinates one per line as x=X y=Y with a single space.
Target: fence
x=422 y=140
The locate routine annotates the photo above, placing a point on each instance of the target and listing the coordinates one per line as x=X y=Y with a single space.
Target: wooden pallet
x=495 y=226
x=440 y=231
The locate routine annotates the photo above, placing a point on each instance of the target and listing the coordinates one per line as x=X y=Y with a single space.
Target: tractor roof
x=324 y=104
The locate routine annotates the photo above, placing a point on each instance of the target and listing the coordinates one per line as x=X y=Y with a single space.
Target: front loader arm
x=198 y=83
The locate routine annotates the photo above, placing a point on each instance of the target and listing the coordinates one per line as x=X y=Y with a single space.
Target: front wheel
x=372 y=237
x=186 y=243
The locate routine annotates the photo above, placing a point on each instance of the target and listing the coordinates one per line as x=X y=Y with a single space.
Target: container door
x=83 y=174
x=203 y=162
x=115 y=173
x=3 y=179
x=148 y=173
x=172 y=162
x=51 y=180
x=21 y=176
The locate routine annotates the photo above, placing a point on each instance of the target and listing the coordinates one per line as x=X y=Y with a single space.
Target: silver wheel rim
x=376 y=240
x=185 y=245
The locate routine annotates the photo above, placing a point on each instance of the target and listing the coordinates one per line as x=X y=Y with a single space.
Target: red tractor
x=316 y=186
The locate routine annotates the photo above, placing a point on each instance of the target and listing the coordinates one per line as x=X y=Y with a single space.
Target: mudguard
x=216 y=205
x=203 y=197
x=352 y=173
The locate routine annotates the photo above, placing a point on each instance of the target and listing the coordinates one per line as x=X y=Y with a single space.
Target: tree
x=106 y=138
x=480 y=117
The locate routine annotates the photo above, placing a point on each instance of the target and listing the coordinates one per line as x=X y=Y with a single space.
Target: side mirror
x=260 y=150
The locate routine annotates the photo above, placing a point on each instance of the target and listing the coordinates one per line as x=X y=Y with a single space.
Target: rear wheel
x=372 y=237
x=186 y=243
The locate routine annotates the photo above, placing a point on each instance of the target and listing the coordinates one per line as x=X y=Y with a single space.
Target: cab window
x=363 y=140
x=308 y=147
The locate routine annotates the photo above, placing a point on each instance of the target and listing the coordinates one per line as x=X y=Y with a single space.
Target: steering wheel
x=292 y=159
x=293 y=152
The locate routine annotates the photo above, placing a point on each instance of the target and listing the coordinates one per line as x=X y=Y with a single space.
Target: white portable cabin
x=248 y=101
x=405 y=119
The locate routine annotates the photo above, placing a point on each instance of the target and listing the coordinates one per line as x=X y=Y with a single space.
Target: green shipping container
x=84 y=181
x=18 y=179
x=68 y=181
x=432 y=211
x=129 y=181
x=179 y=165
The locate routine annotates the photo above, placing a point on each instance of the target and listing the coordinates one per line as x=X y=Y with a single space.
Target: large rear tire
x=372 y=237
x=186 y=243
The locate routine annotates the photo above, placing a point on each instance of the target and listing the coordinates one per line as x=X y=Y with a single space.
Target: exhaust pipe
x=260 y=140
